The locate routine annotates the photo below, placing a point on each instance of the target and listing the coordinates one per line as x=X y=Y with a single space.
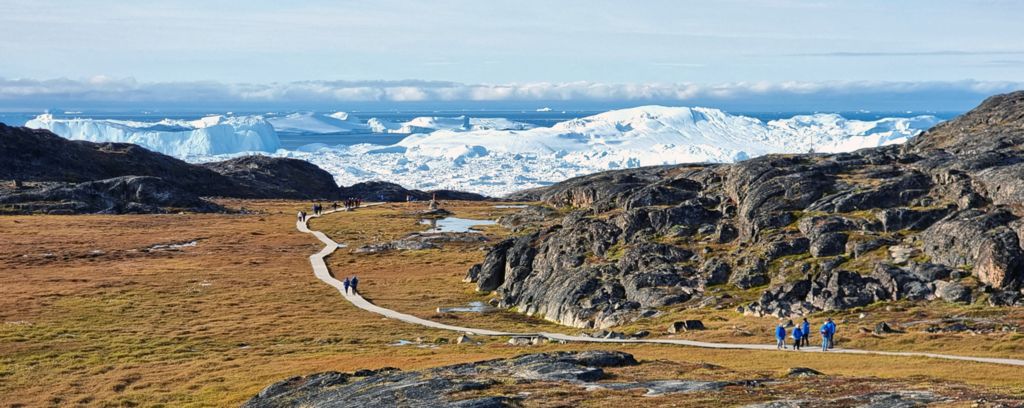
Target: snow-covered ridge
x=211 y=135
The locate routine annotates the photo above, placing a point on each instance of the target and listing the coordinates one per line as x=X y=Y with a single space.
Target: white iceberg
x=309 y=122
x=500 y=161
x=211 y=135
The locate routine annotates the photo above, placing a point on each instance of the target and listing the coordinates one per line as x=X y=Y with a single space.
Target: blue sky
x=853 y=52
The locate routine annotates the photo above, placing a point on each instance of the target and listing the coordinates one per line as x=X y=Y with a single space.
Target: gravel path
x=323 y=273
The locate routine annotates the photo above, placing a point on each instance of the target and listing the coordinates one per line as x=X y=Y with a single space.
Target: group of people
x=353 y=203
x=801 y=334
x=351 y=283
x=318 y=208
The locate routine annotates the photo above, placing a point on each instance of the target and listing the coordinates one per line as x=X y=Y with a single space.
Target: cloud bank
x=128 y=92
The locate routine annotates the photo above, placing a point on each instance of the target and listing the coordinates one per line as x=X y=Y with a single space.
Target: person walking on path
x=780 y=337
x=798 y=336
x=299 y=216
x=355 y=284
x=805 y=328
x=832 y=332
x=346 y=284
x=824 y=336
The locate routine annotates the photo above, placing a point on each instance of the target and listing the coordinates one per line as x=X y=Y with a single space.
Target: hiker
x=831 y=332
x=299 y=216
x=824 y=336
x=334 y=205
x=355 y=284
x=798 y=336
x=347 y=284
x=780 y=337
x=805 y=328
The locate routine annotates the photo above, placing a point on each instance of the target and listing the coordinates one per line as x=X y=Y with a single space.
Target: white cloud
x=102 y=89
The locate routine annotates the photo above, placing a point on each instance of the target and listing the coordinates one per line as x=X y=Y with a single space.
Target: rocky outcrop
x=121 y=195
x=439 y=387
x=944 y=206
x=78 y=176
x=277 y=177
x=385 y=191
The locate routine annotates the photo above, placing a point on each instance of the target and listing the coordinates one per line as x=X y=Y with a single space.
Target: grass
x=90 y=315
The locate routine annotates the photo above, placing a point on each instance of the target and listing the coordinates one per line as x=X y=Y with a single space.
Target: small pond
x=453 y=224
x=472 y=307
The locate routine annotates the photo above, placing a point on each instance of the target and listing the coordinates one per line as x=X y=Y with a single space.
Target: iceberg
x=428 y=124
x=497 y=161
x=309 y=122
x=211 y=135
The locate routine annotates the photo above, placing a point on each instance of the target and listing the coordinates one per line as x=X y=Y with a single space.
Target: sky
x=760 y=53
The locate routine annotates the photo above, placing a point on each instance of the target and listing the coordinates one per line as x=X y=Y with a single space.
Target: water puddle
x=472 y=307
x=400 y=343
x=453 y=224
x=174 y=246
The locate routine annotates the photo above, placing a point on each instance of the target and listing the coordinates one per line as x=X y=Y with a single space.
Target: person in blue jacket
x=831 y=332
x=780 y=337
x=824 y=336
x=805 y=328
x=798 y=336
x=347 y=284
x=355 y=284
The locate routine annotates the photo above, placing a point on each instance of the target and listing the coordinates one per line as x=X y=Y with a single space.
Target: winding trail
x=323 y=273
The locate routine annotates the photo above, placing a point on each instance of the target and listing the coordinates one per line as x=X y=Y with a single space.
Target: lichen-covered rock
x=637 y=239
x=438 y=387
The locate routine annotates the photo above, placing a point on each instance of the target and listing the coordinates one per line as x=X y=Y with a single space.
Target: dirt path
x=323 y=273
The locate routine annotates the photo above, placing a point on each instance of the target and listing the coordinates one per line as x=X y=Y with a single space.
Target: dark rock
x=119 y=195
x=884 y=328
x=753 y=274
x=1006 y=298
x=952 y=292
x=385 y=191
x=640 y=334
x=800 y=372
x=861 y=247
x=533 y=214
x=980 y=239
x=685 y=326
x=778 y=249
x=442 y=386
x=930 y=272
x=715 y=272
x=902 y=218
x=833 y=243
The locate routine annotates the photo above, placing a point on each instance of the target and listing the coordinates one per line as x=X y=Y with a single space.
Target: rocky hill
x=274 y=177
x=939 y=217
x=61 y=176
